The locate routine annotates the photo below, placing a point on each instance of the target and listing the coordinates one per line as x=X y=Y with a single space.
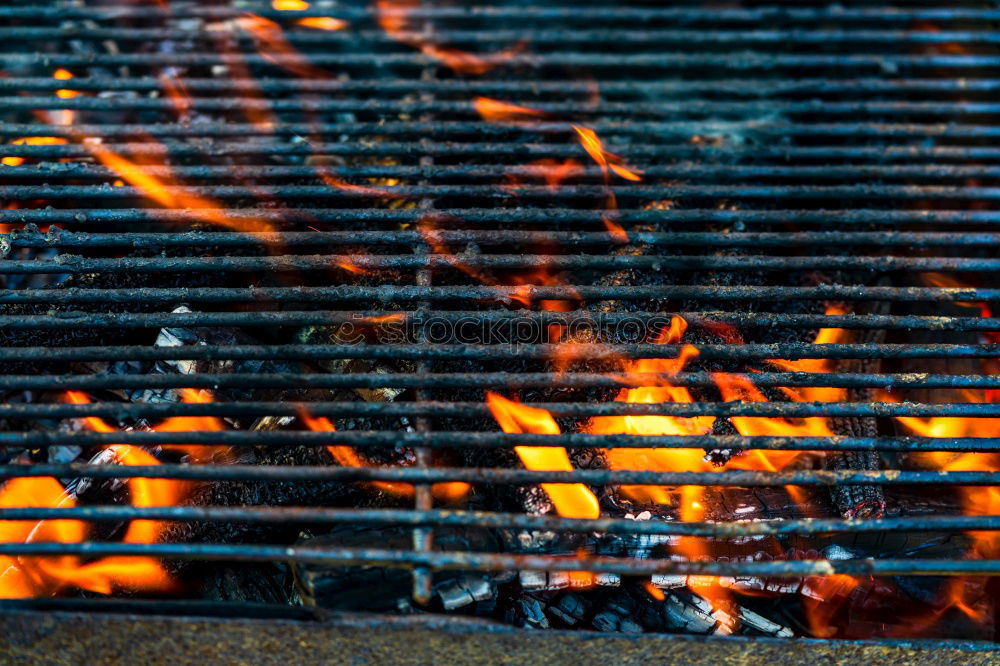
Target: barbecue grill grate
x=844 y=140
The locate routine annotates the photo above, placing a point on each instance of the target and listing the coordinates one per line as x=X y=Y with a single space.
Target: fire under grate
x=663 y=319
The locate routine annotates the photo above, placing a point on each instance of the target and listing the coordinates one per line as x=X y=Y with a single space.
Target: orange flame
x=31 y=577
x=160 y=191
x=495 y=111
x=554 y=173
x=345 y=456
x=64 y=75
x=196 y=454
x=572 y=500
x=327 y=23
x=32 y=141
x=607 y=162
x=273 y=46
x=393 y=17
x=592 y=144
x=26 y=577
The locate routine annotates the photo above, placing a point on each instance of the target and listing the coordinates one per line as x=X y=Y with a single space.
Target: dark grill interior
x=322 y=232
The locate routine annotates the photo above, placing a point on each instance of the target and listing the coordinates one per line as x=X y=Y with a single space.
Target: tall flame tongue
x=571 y=500
x=668 y=460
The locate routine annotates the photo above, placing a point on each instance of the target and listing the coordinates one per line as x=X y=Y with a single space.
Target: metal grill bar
x=504 y=476
x=450 y=440
x=491 y=562
x=446 y=172
x=407 y=293
x=576 y=409
x=753 y=87
x=578 y=319
x=67 y=263
x=663 y=150
x=627 y=216
x=484 y=380
x=507 y=520
x=679 y=129
x=463 y=108
x=658 y=62
x=568 y=239
x=538 y=37
x=609 y=13
x=748 y=352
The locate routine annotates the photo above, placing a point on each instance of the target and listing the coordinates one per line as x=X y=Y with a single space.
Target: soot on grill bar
x=646 y=317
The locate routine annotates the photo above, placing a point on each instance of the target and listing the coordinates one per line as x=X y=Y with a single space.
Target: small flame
x=196 y=454
x=571 y=500
x=289 y=5
x=158 y=190
x=64 y=75
x=345 y=456
x=592 y=144
x=495 y=111
x=393 y=17
x=608 y=162
x=553 y=172
x=327 y=23
x=272 y=44
x=32 y=141
x=653 y=591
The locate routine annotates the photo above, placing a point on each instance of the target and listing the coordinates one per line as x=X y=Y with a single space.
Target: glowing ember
x=571 y=500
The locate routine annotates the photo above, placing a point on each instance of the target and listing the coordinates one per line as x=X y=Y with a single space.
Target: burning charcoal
x=528 y=613
x=254 y=583
x=571 y=608
x=465 y=590
x=616 y=614
x=348 y=335
x=376 y=588
x=561 y=580
x=689 y=614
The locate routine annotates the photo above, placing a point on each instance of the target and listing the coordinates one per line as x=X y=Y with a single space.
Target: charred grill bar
x=348 y=222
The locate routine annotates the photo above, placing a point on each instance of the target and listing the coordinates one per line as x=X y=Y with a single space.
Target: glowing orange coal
x=394 y=16
x=571 y=500
x=345 y=456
